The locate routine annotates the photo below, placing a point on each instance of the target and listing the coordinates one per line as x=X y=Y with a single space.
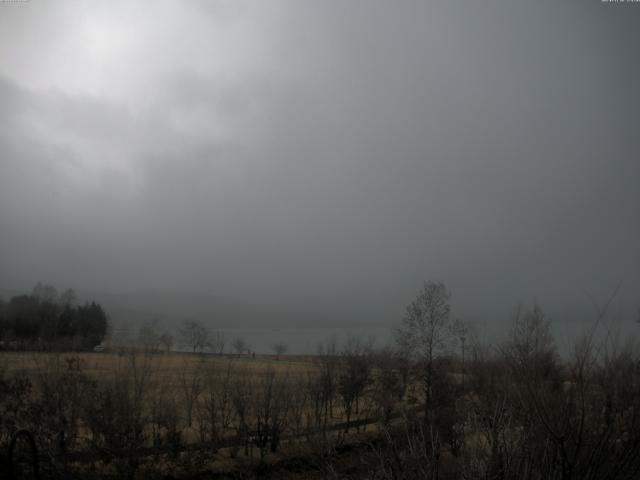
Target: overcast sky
x=324 y=156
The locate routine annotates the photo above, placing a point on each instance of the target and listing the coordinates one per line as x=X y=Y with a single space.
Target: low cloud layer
x=323 y=157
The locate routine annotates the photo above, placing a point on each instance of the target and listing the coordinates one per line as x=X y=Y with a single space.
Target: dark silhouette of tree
x=217 y=343
x=279 y=348
x=425 y=333
x=23 y=317
x=240 y=346
x=166 y=341
x=92 y=324
x=148 y=336
x=355 y=375
x=195 y=335
x=44 y=317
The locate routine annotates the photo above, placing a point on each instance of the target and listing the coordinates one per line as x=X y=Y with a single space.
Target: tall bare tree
x=195 y=335
x=217 y=342
x=148 y=336
x=192 y=385
x=355 y=375
x=426 y=332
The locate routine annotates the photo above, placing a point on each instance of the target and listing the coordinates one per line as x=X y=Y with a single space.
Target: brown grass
x=170 y=364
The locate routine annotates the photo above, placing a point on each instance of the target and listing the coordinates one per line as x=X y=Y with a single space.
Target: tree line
x=423 y=408
x=45 y=318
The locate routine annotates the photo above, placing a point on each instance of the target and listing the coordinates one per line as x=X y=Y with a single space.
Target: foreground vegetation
x=511 y=411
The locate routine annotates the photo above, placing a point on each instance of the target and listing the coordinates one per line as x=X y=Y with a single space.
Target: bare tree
x=217 y=342
x=462 y=331
x=299 y=411
x=355 y=375
x=240 y=346
x=191 y=384
x=426 y=332
x=271 y=400
x=323 y=385
x=241 y=395
x=279 y=348
x=148 y=336
x=216 y=411
x=389 y=386
x=115 y=413
x=166 y=341
x=531 y=347
x=195 y=335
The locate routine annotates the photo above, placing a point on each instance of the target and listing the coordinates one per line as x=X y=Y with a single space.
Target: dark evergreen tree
x=43 y=317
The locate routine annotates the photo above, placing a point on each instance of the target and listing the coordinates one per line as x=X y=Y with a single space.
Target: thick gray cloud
x=323 y=158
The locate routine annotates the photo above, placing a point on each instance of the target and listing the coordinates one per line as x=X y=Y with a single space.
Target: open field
x=357 y=414
x=172 y=365
x=220 y=410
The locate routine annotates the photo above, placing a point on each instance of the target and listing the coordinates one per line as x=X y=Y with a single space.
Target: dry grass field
x=134 y=415
x=180 y=377
x=170 y=365
x=237 y=409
